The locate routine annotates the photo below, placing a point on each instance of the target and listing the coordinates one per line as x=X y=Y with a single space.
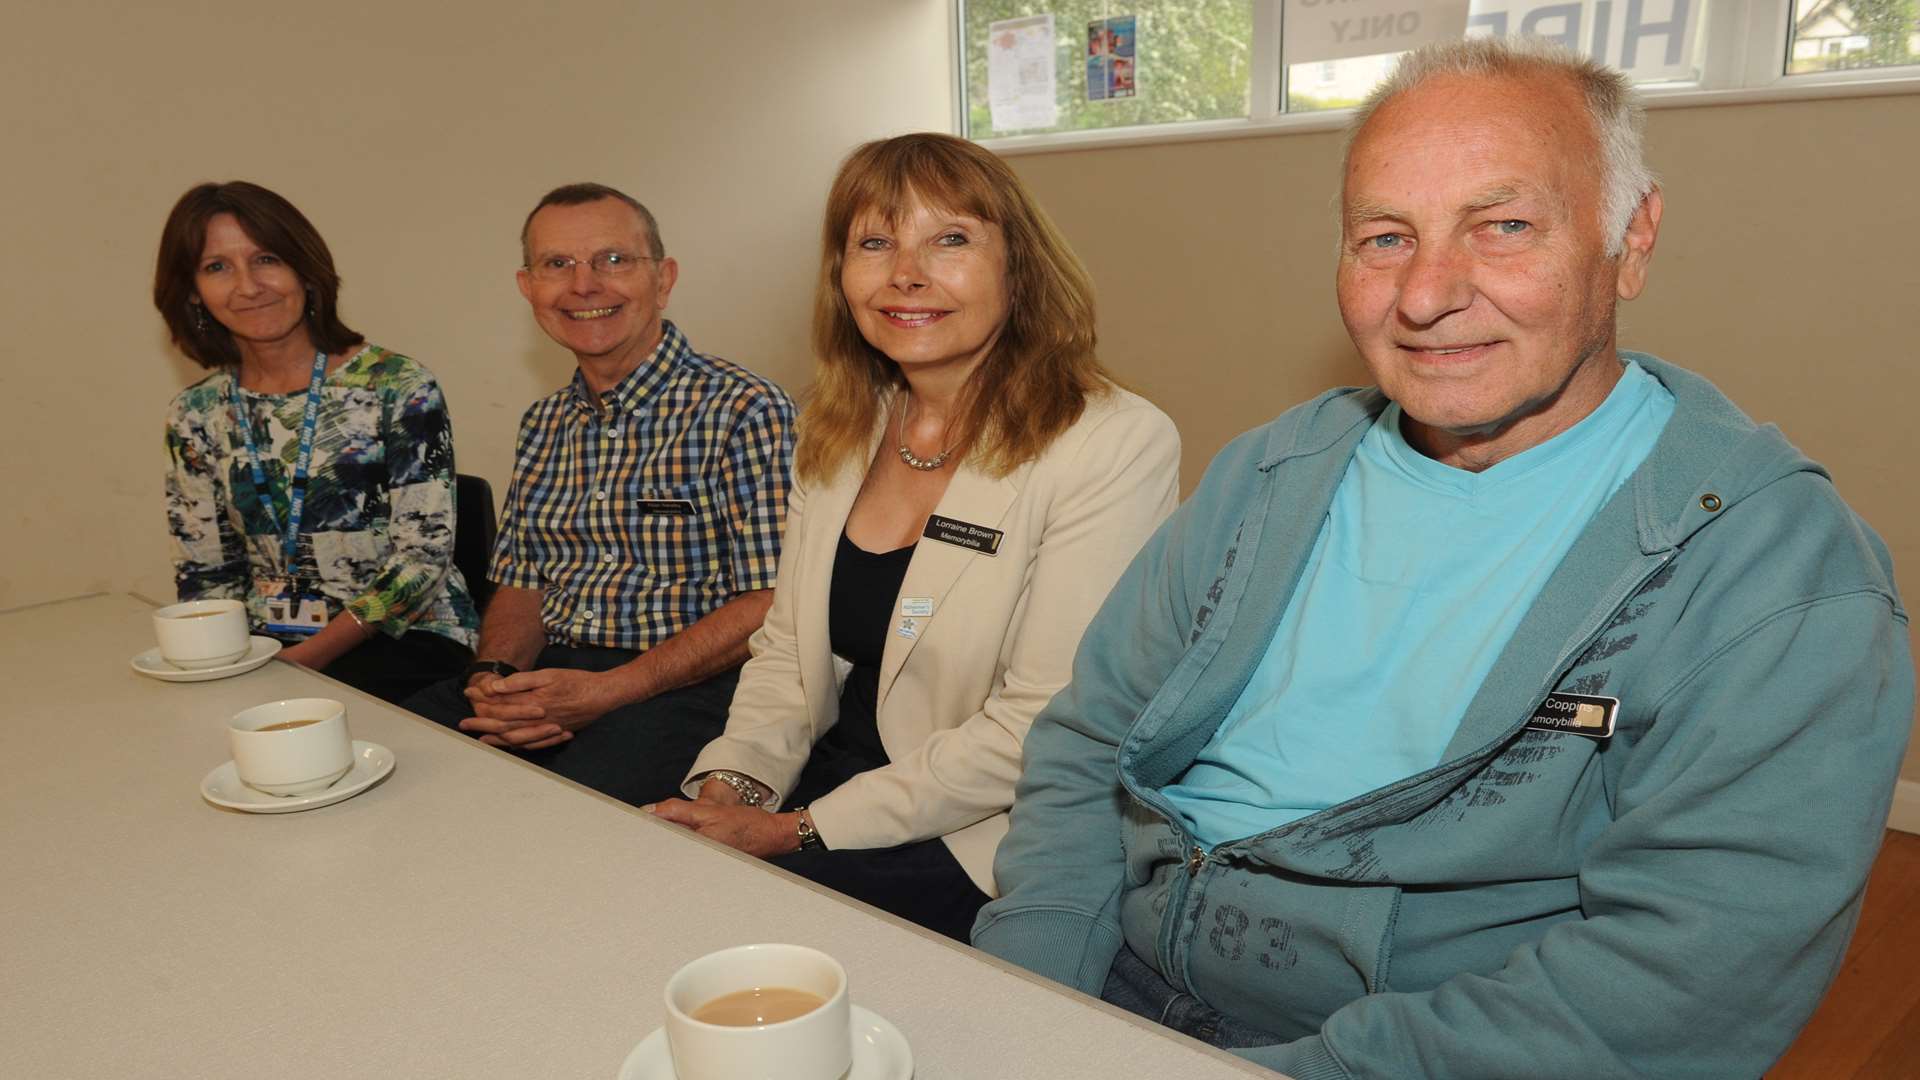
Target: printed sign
x=1020 y=88
x=1337 y=29
x=1651 y=40
x=1112 y=59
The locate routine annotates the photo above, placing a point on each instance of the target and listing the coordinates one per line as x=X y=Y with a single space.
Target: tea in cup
x=291 y=747
x=202 y=634
x=760 y=1012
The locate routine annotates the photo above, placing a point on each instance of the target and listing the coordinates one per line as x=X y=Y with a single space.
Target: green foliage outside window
x=1890 y=29
x=1194 y=56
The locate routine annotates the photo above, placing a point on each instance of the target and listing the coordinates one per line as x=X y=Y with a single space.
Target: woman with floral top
x=311 y=474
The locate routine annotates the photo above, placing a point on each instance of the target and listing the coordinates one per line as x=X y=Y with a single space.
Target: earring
x=311 y=313
x=199 y=317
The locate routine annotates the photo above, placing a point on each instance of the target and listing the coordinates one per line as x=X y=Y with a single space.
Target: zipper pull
x=1195 y=861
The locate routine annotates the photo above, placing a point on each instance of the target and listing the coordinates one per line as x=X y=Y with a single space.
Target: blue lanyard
x=297 y=494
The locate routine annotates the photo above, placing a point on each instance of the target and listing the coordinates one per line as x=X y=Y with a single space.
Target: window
x=1043 y=72
x=1850 y=35
x=1177 y=62
x=1655 y=41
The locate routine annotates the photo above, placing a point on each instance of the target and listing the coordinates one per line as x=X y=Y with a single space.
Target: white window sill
x=1787 y=88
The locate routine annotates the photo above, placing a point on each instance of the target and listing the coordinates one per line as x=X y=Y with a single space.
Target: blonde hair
x=1036 y=380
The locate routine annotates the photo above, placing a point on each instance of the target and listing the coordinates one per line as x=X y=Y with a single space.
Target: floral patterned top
x=376 y=536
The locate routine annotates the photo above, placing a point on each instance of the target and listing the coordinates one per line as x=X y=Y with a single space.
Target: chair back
x=473 y=531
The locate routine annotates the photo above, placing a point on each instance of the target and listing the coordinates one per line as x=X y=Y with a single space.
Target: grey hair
x=1612 y=106
x=582 y=194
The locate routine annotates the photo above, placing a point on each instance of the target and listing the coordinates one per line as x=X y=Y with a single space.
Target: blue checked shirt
x=637 y=522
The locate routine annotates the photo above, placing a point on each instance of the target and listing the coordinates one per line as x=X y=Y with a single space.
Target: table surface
x=471 y=916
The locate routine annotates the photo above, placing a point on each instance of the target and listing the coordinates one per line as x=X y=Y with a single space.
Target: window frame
x=1745 y=63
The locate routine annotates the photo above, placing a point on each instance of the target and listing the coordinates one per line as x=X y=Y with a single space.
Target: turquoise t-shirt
x=1415 y=584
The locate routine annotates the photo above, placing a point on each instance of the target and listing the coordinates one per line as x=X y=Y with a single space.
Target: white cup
x=817 y=1045
x=295 y=760
x=202 y=633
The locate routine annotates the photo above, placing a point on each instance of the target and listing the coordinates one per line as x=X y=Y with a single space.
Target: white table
x=470 y=917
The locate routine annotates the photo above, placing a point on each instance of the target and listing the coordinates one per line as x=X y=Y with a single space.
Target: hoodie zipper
x=1175 y=921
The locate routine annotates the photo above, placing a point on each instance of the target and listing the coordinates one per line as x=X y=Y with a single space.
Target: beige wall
x=1784 y=272
x=415 y=135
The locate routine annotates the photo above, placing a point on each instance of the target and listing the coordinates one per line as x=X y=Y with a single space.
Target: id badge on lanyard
x=290 y=609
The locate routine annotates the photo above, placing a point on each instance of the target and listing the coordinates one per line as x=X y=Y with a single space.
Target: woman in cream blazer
x=1040 y=480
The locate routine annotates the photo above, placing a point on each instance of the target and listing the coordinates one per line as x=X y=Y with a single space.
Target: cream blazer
x=958 y=687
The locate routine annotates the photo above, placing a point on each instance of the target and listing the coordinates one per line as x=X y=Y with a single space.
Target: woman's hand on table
x=744 y=828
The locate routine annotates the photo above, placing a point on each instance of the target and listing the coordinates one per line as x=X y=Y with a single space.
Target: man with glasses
x=642 y=529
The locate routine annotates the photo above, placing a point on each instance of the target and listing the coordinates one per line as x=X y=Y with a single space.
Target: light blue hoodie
x=1669 y=901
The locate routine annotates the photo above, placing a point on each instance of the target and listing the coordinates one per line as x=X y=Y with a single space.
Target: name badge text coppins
x=1576 y=714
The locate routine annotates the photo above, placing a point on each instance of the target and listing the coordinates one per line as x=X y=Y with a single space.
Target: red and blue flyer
x=1111 y=71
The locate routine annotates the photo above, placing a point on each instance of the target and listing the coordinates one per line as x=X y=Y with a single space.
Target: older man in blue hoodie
x=1534 y=713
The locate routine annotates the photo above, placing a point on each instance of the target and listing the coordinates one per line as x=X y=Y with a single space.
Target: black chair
x=473 y=531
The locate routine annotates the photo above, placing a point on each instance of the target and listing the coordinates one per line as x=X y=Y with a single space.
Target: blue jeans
x=1133 y=985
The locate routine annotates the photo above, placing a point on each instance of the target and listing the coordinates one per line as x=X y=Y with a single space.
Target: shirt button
x=600 y=495
x=613 y=433
x=588 y=615
x=606 y=556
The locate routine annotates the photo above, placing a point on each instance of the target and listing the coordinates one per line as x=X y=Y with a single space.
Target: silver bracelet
x=748 y=788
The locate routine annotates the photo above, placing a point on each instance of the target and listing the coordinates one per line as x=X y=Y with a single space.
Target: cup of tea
x=760 y=1012
x=202 y=633
x=291 y=747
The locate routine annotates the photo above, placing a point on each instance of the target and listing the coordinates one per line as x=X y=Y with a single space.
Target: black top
x=860 y=615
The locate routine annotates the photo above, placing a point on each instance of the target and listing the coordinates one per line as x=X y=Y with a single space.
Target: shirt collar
x=631 y=392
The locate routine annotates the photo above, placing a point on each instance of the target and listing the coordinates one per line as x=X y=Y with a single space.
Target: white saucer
x=371 y=762
x=880 y=1052
x=259 y=651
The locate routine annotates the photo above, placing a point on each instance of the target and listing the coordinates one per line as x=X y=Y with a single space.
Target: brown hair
x=1035 y=382
x=582 y=194
x=271 y=222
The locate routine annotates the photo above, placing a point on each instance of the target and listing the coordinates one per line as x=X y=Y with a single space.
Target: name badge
x=665 y=507
x=962 y=534
x=921 y=606
x=1576 y=714
x=296 y=615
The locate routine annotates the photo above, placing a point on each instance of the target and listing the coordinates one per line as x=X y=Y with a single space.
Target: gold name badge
x=1576 y=714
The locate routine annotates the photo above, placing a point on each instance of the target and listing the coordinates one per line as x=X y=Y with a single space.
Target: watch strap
x=809 y=836
x=492 y=667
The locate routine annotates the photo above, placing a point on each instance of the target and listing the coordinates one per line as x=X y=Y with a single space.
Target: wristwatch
x=809 y=837
x=493 y=667
x=748 y=790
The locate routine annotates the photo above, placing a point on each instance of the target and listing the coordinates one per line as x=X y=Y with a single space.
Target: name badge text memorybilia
x=1576 y=714
x=963 y=534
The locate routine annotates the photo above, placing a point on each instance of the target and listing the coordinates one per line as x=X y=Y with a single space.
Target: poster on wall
x=1020 y=75
x=1112 y=61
